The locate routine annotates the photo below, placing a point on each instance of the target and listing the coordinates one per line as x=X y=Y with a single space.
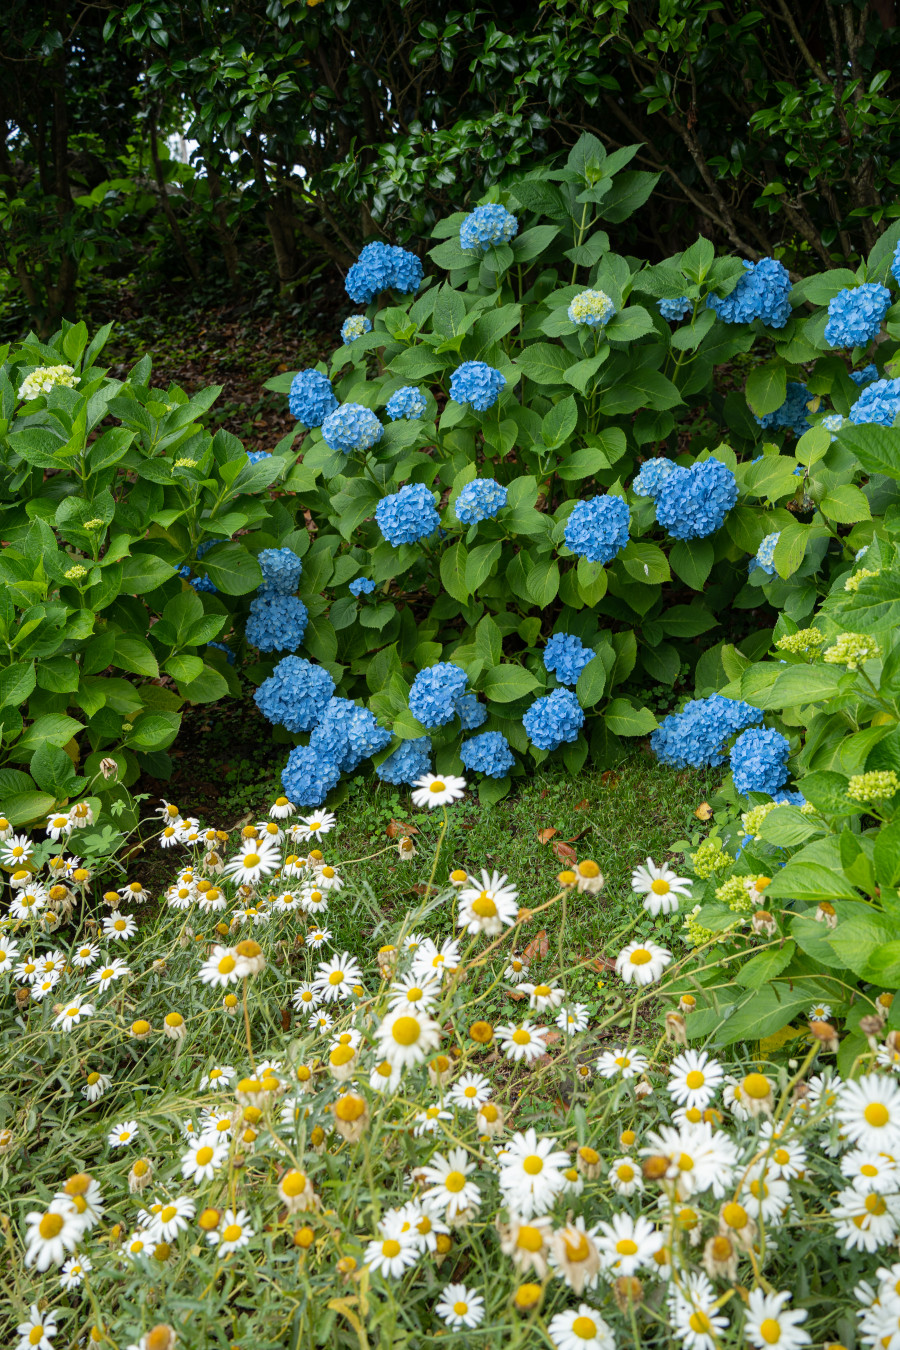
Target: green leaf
x=53 y=728
x=543 y=582
x=531 y=243
x=809 y=881
x=845 y=504
x=787 y=826
x=691 y=561
x=877 y=448
x=591 y=683
x=17 y=681
x=53 y=770
x=763 y=967
x=826 y=790
x=506 y=683
x=207 y=687
x=545 y=363
x=645 y=562
x=320 y=639
x=796 y=686
x=764 y=1013
x=858 y=936
x=696 y=261
x=232 y=569
x=154 y=730
x=687 y=621
x=887 y=855
x=489 y=642
x=453 y=572
x=629 y=324
x=144 y=572
x=183 y=667
x=767 y=387
x=58 y=674
x=24 y=808
x=493 y=790
x=625 y=720
x=134 y=654
x=479 y=562
x=559 y=423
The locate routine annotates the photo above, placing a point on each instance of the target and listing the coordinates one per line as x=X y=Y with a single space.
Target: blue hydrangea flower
x=675 y=310
x=765 y=554
x=879 y=403
x=566 y=656
x=407 y=515
x=408 y=402
x=435 y=692
x=861 y=553
x=598 y=528
x=786 y=798
x=476 y=383
x=761 y=294
x=198 y=583
x=488 y=753
x=855 y=314
x=791 y=416
x=470 y=712
x=362 y=586
x=759 y=761
x=276 y=623
x=330 y=737
x=352 y=427
x=481 y=499
x=311 y=398
x=895 y=264
x=364 y=738
x=308 y=776
x=591 y=308
x=866 y=375
x=221 y=647
x=554 y=719
x=696 y=737
x=295 y=695
x=653 y=471
x=257 y=456
x=487 y=225
x=409 y=761
x=380 y=267
x=356 y=325
x=833 y=423
x=281 y=569
x=692 y=503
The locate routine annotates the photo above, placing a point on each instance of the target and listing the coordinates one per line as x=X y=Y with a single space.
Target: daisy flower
x=334 y=979
x=391 y=1256
x=413 y=991
x=450 y=1194
x=85 y=955
x=786 y=1159
x=516 y=970
x=625 y=1177
x=234 y=1231
x=51 y=1234
x=580 y=1328
x=74 y=1271
x=28 y=903
x=134 y=890
x=58 y=826
x=119 y=927
x=122 y=1134
x=305 y=997
x=489 y=906
x=107 y=973
x=428 y=1120
x=321 y=1022
x=642 y=962
x=313 y=900
x=329 y=878
x=769 y=1325
x=531 y=1173
x=38 y=1330
x=318 y=937
x=695 y=1315
x=8 y=953
x=694 y=1078
x=407 y=1037
x=51 y=963
x=572 y=1020
x=220 y=968
x=27 y=971
x=470 y=1091
x=869 y=1171
x=434 y=960
x=385 y=1077
x=138 y=1245
x=460 y=1306
x=526 y=1042
x=626 y=1244
x=621 y=1063
x=282 y=809
x=16 y=850
x=868 y=1111
x=95 y=1086
x=171 y=1218
x=219 y=1076
x=203 y=1160
x=72 y=1013
x=660 y=886
x=542 y=997
x=216 y=1124
x=254 y=861
x=431 y=791
x=41 y=988
x=764 y=1195
x=313 y=827
x=820 y=1012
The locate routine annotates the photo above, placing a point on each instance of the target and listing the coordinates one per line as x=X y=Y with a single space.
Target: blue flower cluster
x=407 y=515
x=347 y=734
x=311 y=397
x=785 y=798
x=554 y=719
x=791 y=416
x=855 y=314
x=409 y=761
x=470 y=712
x=435 y=693
x=480 y=500
x=199 y=583
x=476 y=383
x=281 y=569
x=488 y=753
x=276 y=622
x=598 y=528
x=696 y=737
x=380 y=267
x=759 y=761
x=675 y=310
x=351 y=427
x=295 y=695
x=763 y=293
x=308 y=777
x=690 y=503
x=408 y=402
x=833 y=423
x=879 y=403
x=765 y=554
x=221 y=647
x=566 y=657
x=594 y=309
x=353 y=327
x=653 y=471
x=487 y=225
x=362 y=586
x=257 y=456
x=866 y=375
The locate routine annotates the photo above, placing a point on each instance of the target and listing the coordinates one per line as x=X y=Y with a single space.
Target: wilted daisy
x=122 y=1134
x=432 y=791
x=233 y=1232
x=95 y=1085
x=488 y=906
x=622 y=1063
x=460 y=1306
x=335 y=978
x=526 y=1042
x=642 y=962
x=135 y=891
x=531 y=1173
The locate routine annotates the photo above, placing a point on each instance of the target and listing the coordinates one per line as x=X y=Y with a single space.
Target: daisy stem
x=247 y=1029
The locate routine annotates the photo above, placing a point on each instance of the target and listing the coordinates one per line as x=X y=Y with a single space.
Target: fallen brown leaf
x=537 y=947
x=603 y=963
x=517 y=995
x=564 y=852
x=285 y=1019
x=544 y=836
x=397 y=827
x=552 y=1036
x=583 y=805
x=609 y=778
x=704 y=811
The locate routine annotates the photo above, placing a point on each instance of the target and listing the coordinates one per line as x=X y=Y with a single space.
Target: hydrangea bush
x=227 y=1129
x=530 y=448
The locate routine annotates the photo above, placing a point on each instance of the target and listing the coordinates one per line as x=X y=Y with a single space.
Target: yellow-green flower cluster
x=695 y=935
x=735 y=895
x=873 y=786
x=852 y=583
x=76 y=573
x=801 y=643
x=710 y=858
x=752 y=820
x=45 y=378
x=851 y=649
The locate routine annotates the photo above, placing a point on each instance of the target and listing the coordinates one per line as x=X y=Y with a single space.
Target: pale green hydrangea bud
x=873 y=786
x=593 y=308
x=752 y=820
x=45 y=378
x=800 y=643
x=75 y=573
x=95 y=524
x=695 y=935
x=735 y=895
x=852 y=583
x=710 y=858
x=851 y=649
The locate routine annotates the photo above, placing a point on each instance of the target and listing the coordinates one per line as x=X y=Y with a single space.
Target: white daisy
x=257 y=859
x=694 y=1313
x=429 y=959
x=107 y=973
x=526 y=1042
x=694 y=1078
x=626 y=1244
x=282 y=808
x=460 y=1306
x=38 y=1330
x=16 y=850
x=580 y=1328
x=233 y=1232
x=85 y=955
x=428 y=1120
x=531 y=1173
x=219 y=1076
x=171 y=1218
x=488 y=906
x=313 y=827
x=769 y=1325
x=413 y=991
x=220 y=968
x=543 y=997
x=28 y=902
x=865 y=1220
x=870 y=1171
x=119 y=927
x=660 y=886
x=625 y=1177
x=95 y=1086
x=72 y=1013
x=642 y=962
x=8 y=953
x=450 y=1193
x=407 y=1036
x=122 y=1134
x=385 y=1077
x=51 y=1234
x=868 y=1111
x=621 y=1062
x=318 y=937
x=431 y=791
x=334 y=979
x=74 y=1271
x=390 y=1256
x=470 y=1091
x=516 y=970
x=573 y=1019
x=203 y=1160
x=329 y=879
